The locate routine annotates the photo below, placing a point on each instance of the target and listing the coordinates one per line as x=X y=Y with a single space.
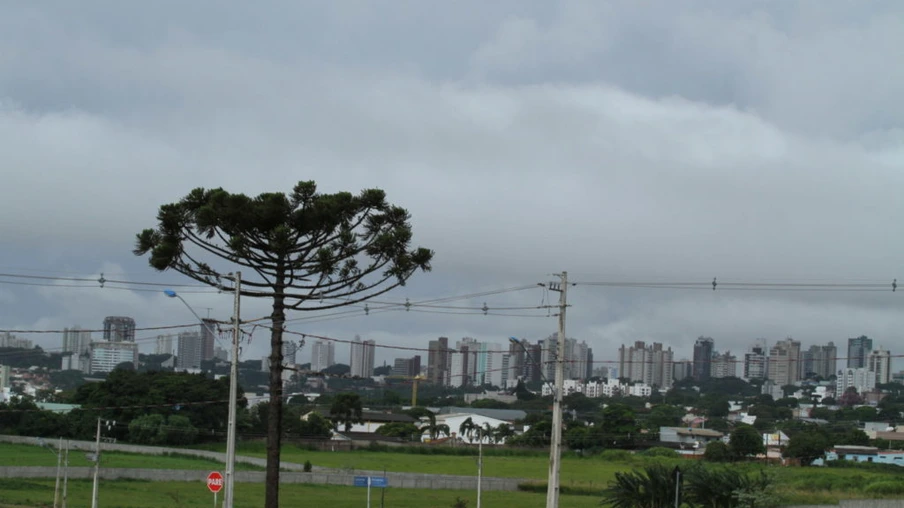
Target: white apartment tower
x=323 y=355
x=361 y=357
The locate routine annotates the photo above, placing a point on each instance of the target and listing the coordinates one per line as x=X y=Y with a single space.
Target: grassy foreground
x=136 y=494
x=32 y=455
x=589 y=475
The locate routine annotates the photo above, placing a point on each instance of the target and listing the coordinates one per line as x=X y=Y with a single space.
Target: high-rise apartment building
x=518 y=365
x=323 y=355
x=858 y=349
x=651 y=365
x=438 y=361
x=879 y=362
x=289 y=352
x=724 y=365
x=463 y=363
x=682 y=369
x=9 y=340
x=407 y=367
x=576 y=357
x=76 y=341
x=861 y=379
x=361 y=357
x=119 y=329
x=819 y=361
x=163 y=345
x=784 y=362
x=703 y=357
x=4 y=377
x=188 y=352
x=105 y=356
x=755 y=361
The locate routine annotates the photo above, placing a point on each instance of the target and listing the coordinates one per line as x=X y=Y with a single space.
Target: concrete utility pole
x=555 y=448
x=233 y=393
x=56 y=488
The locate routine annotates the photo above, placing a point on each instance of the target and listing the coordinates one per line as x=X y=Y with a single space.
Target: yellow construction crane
x=414 y=382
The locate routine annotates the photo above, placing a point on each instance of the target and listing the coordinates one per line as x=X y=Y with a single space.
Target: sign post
x=214 y=484
x=370 y=481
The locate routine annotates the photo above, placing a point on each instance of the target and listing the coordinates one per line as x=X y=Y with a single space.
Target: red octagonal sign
x=214 y=482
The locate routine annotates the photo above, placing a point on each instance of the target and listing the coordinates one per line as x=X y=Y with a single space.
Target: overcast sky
x=620 y=141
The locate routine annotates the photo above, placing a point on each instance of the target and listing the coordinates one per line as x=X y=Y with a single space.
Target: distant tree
x=489 y=404
x=67 y=380
x=523 y=393
x=807 y=447
x=664 y=415
x=316 y=426
x=717 y=451
x=850 y=398
x=302 y=251
x=745 y=441
x=384 y=370
x=337 y=369
x=346 y=409
x=581 y=403
x=406 y=431
x=619 y=426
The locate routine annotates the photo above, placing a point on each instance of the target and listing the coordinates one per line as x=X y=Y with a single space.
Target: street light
x=233 y=385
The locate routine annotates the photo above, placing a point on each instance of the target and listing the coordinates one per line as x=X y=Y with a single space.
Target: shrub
x=308 y=466
x=659 y=451
x=885 y=487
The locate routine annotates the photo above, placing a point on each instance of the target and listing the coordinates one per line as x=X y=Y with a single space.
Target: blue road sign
x=375 y=481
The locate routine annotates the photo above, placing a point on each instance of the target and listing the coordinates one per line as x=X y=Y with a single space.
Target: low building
x=455 y=420
x=863 y=454
x=689 y=437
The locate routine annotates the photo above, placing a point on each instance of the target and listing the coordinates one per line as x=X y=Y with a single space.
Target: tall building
x=9 y=340
x=164 y=345
x=407 y=367
x=463 y=363
x=755 y=361
x=289 y=351
x=188 y=352
x=576 y=357
x=438 y=361
x=703 y=357
x=76 y=341
x=105 y=356
x=879 y=362
x=4 y=377
x=858 y=349
x=819 y=361
x=651 y=365
x=862 y=379
x=208 y=339
x=682 y=369
x=519 y=368
x=784 y=362
x=361 y=358
x=119 y=329
x=323 y=355
x=724 y=365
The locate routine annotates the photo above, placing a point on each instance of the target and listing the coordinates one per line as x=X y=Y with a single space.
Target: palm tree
x=467 y=429
x=654 y=487
x=435 y=430
x=502 y=432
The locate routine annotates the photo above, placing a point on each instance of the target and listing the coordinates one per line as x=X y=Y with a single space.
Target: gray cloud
x=617 y=141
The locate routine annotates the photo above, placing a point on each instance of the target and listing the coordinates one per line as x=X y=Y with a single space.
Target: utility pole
x=479 y=465
x=96 y=467
x=56 y=487
x=66 y=476
x=555 y=448
x=94 y=491
x=233 y=392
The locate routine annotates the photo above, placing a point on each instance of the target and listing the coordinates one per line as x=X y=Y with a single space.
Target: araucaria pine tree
x=305 y=250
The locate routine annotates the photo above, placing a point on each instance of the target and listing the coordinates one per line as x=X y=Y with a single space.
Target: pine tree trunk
x=274 y=417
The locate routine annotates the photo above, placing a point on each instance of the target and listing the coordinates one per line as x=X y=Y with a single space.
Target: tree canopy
x=303 y=250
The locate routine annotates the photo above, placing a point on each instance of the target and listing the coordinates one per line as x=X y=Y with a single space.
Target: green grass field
x=29 y=455
x=135 y=494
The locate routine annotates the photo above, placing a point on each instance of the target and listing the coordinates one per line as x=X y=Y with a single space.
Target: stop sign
x=214 y=482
